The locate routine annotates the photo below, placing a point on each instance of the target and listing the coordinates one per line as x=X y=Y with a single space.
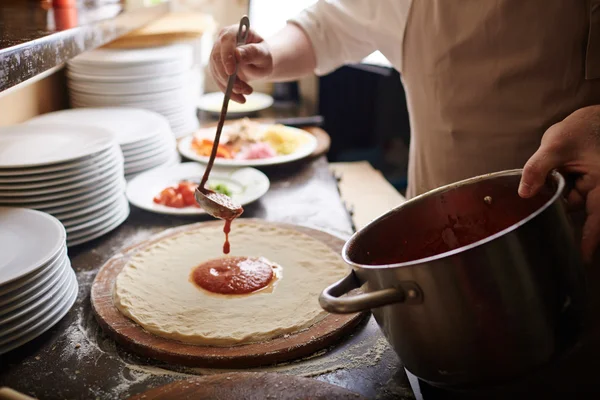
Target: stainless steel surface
x=502 y=282
x=402 y=292
x=34 y=38
x=221 y=206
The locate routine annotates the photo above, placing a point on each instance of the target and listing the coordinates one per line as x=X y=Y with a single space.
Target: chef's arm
x=340 y=31
x=293 y=54
x=320 y=39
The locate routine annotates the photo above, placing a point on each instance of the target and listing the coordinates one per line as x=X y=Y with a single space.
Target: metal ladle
x=217 y=204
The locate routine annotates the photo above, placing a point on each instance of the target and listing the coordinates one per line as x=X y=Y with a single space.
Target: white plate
x=164 y=107
x=28 y=240
x=30 y=279
x=149 y=143
x=174 y=160
x=47 y=322
x=62 y=192
x=155 y=85
x=165 y=97
x=26 y=322
x=146 y=164
x=247 y=185
x=89 y=179
x=212 y=103
x=164 y=148
x=188 y=125
x=150 y=71
x=24 y=146
x=161 y=102
x=117 y=208
x=28 y=292
x=117 y=58
x=74 y=202
x=79 y=204
x=181 y=132
x=120 y=75
x=72 y=218
x=58 y=170
x=305 y=150
x=76 y=175
x=38 y=299
x=169 y=145
x=129 y=125
x=97 y=231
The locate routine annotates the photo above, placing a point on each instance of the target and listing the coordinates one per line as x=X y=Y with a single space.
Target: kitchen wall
x=37 y=96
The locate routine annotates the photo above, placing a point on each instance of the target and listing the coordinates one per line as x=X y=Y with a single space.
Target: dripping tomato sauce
x=234 y=275
x=226 y=230
x=231 y=211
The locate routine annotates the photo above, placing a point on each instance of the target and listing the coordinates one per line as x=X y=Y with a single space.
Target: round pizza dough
x=154 y=288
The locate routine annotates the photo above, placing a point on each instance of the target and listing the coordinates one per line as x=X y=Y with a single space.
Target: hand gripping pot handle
x=331 y=301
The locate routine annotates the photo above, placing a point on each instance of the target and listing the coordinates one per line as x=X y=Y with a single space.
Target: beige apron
x=485 y=78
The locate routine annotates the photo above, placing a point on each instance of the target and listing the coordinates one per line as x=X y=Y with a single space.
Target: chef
x=490 y=85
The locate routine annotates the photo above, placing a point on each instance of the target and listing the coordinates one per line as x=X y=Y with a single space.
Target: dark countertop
x=35 y=37
x=76 y=360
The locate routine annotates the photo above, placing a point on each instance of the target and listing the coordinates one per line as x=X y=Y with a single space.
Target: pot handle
x=330 y=301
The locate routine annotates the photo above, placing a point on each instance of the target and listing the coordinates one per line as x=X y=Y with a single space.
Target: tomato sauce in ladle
x=216 y=204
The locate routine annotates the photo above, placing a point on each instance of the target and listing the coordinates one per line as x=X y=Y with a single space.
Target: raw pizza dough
x=154 y=287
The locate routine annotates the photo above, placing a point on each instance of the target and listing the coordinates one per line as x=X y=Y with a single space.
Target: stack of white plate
x=72 y=173
x=145 y=137
x=37 y=285
x=160 y=79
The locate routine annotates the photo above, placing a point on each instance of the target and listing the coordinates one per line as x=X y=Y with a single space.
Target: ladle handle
x=242 y=35
x=331 y=301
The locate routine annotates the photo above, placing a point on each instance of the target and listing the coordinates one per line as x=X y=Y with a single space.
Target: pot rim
x=558 y=178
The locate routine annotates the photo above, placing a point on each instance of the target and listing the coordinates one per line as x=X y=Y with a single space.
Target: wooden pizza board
x=134 y=338
x=323 y=139
x=248 y=385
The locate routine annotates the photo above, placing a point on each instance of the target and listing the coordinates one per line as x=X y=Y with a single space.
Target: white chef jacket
x=484 y=79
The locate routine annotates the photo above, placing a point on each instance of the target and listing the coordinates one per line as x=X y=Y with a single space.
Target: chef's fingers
x=575 y=201
x=216 y=68
x=228 y=41
x=237 y=97
x=228 y=44
x=537 y=169
x=241 y=87
x=256 y=54
x=591 y=228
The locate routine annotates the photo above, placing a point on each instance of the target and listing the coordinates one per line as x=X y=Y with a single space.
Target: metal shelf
x=35 y=38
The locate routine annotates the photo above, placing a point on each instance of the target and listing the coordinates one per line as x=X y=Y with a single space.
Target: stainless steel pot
x=470 y=284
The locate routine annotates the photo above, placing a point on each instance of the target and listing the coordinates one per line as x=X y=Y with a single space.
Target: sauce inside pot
x=445 y=221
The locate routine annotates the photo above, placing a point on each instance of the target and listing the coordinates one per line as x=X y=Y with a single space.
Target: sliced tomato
x=165 y=196
x=177 y=201
x=187 y=191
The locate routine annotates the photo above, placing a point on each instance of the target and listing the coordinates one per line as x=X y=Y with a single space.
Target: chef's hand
x=254 y=58
x=572 y=146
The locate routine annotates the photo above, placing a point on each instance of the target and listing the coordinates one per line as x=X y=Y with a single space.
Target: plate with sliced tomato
x=248 y=143
x=170 y=190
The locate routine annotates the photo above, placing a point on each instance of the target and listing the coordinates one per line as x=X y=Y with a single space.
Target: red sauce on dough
x=233 y=275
